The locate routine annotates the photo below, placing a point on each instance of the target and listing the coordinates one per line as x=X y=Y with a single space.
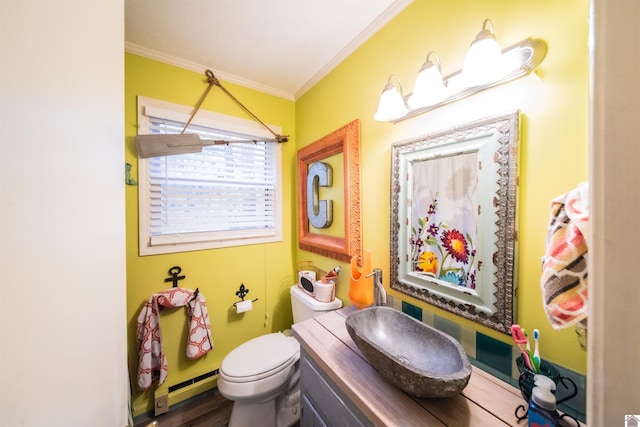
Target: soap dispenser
x=542 y=407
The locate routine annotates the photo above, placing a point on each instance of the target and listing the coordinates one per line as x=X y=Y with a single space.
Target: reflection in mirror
x=453 y=219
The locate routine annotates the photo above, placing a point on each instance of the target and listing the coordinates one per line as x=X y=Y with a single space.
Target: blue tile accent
x=412 y=310
x=406 y=307
x=448 y=327
x=492 y=371
x=575 y=406
x=493 y=353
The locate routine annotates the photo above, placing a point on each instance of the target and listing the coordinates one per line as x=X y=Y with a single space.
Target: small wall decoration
x=315 y=215
x=320 y=212
x=453 y=229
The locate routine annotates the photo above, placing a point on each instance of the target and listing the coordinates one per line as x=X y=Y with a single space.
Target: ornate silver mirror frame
x=453 y=219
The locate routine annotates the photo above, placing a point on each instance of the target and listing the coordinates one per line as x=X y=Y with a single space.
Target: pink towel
x=564 y=271
x=152 y=363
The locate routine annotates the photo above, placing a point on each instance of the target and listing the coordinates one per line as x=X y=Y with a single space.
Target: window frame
x=149 y=107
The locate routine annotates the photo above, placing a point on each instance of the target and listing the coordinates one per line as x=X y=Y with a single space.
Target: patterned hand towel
x=564 y=270
x=152 y=363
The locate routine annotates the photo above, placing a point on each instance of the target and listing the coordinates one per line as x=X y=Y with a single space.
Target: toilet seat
x=260 y=358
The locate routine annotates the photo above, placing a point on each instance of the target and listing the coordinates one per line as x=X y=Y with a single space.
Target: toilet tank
x=304 y=306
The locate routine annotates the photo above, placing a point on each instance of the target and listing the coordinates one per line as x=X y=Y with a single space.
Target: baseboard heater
x=161 y=395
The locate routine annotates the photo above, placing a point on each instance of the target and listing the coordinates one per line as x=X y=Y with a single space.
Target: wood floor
x=208 y=409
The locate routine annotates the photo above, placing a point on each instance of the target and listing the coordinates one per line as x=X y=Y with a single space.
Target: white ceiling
x=281 y=47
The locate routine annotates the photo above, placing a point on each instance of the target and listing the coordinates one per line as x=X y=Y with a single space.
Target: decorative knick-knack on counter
x=361 y=286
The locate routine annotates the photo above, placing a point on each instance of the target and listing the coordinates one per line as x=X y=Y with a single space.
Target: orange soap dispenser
x=361 y=286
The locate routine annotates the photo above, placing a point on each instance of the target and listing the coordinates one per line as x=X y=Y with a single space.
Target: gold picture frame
x=345 y=141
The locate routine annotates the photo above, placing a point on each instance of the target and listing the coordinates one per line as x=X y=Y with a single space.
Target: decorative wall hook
x=174 y=271
x=241 y=293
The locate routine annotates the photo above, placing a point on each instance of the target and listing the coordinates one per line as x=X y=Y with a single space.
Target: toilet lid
x=259 y=355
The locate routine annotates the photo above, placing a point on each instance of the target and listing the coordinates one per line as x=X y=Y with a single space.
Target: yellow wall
x=554 y=125
x=267 y=270
x=553 y=159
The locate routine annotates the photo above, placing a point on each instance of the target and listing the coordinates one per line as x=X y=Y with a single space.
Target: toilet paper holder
x=241 y=293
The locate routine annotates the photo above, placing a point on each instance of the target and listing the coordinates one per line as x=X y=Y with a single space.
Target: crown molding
x=199 y=68
x=382 y=20
x=371 y=29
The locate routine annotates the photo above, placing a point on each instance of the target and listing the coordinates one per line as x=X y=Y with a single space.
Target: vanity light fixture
x=429 y=88
x=483 y=61
x=485 y=66
x=392 y=105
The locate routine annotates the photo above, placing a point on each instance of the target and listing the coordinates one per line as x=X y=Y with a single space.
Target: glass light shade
x=429 y=88
x=483 y=63
x=391 y=105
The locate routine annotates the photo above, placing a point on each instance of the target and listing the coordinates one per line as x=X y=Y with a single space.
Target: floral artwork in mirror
x=453 y=219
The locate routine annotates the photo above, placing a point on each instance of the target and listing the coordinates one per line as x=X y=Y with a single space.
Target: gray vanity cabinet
x=323 y=404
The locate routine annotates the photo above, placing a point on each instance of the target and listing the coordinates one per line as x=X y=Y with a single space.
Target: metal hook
x=174 y=271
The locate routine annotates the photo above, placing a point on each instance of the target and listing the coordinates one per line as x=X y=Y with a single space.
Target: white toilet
x=262 y=375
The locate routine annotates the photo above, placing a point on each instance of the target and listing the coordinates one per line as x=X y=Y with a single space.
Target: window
x=227 y=195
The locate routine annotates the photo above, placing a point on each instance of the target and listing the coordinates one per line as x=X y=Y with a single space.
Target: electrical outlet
x=161 y=405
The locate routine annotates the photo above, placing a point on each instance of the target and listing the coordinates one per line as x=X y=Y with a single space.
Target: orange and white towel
x=152 y=363
x=564 y=270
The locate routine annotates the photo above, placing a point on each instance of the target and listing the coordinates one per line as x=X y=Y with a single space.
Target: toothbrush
x=529 y=352
x=520 y=339
x=536 y=354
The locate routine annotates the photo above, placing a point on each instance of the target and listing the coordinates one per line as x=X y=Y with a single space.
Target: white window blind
x=227 y=195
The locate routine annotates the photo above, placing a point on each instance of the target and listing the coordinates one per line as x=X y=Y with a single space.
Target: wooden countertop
x=486 y=401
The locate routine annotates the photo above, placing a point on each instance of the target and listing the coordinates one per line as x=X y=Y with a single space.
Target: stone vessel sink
x=415 y=357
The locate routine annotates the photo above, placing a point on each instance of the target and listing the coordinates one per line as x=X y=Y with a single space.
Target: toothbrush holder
x=526 y=382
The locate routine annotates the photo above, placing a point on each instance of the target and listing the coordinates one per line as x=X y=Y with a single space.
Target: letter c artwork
x=320 y=212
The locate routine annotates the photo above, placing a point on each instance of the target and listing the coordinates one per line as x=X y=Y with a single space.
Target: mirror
x=453 y=219
x=328 y=227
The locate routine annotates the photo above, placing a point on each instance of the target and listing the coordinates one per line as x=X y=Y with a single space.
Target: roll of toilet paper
x=243 y=306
